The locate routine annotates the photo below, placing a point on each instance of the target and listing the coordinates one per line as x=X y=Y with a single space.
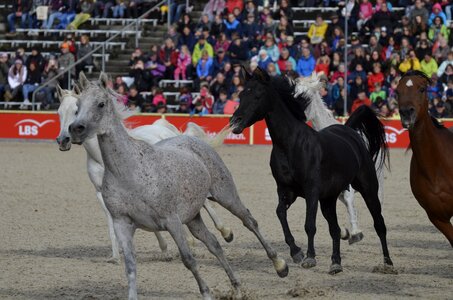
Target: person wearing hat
x=64 y=61
x=17 y=75
x=219 y=61
x=199 y=109
x=437 y=12
x=161 y=108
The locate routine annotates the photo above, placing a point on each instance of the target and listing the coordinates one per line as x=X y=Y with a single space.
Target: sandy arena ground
x=54 y=242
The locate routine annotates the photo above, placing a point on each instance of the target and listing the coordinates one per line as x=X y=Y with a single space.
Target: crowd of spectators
x=230 y=33
x=67 y=14
x=384 y=45
x=22 y=74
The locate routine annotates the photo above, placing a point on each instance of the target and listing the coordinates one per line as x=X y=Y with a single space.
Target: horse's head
x=96 y=108
x=412 y=97
x=255 y=101
x=67 y=113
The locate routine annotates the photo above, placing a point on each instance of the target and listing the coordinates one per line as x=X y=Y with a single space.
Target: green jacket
x=429 y=68
x=196 y=55
x=444 y=31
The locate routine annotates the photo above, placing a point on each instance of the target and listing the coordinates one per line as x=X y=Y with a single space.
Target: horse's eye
x=101 y=105
x=422 y=90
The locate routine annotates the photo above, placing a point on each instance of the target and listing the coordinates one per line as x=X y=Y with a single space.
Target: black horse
x=314 y=165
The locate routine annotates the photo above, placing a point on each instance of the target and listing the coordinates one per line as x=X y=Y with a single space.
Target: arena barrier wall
x=46 y=126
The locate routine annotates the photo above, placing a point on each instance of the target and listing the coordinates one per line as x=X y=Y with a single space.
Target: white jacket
x=15 y=81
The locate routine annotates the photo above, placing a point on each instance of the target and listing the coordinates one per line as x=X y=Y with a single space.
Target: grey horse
x=159 y=187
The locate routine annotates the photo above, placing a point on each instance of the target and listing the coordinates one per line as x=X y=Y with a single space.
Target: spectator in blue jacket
x=187 y=38
x=306 y=63
x=219 y=61
x=263 y=59
x=271 y=49
x=204 y=67
x=250 y=27
x=232 y=25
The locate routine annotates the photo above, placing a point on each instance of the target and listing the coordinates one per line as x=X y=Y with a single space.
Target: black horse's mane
x=436 y=123
x=296 y=105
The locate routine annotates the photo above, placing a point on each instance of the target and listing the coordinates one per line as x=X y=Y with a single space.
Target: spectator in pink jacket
x=184 y=59
x=159 y=97
x=365 y=13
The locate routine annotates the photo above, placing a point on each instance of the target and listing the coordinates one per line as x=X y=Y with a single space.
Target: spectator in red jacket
x=206 y=99
x=376 y=77
x=168 y=55
x=232 y=4
x=362 y=99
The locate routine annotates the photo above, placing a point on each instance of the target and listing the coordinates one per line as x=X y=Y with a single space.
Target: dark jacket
x=25 y=6
x=38 y=60
x=33 y=77
x=4 y=73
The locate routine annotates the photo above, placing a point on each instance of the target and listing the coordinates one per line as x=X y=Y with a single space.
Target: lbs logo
x=391 y=134
x=30 y=127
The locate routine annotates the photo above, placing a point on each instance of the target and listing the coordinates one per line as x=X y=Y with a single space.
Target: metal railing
x=103 y=46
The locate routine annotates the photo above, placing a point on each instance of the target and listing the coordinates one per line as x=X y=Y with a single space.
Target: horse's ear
x=83 y=81
x=59 y=92
x=76 y=89
x=261 y=75
x=103 y=80
x=244 y=75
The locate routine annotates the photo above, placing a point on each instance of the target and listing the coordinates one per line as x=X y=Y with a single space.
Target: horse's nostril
x=66 y=140
x=80 y=128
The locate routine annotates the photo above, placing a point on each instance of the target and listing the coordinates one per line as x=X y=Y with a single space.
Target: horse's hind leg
x=347 y=197
x=175 y=228
x=199 y=231
x=161 y=241
x=227 y=197
x=124 y=230
x=285 y=199
x=366 y=183
x=328 y=208
x=444 y=226
x=226 y=232
x=115 y=250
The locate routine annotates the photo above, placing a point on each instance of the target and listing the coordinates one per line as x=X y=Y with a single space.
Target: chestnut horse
x=431 y=173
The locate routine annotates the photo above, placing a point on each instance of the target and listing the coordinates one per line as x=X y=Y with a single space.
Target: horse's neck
x=93 y=150
x=117 y=148
x=320 y=116
x=282 y=124
x=424 y=142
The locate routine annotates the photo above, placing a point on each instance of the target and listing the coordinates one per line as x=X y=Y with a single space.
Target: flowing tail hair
x=364 y=120
x=197 y=131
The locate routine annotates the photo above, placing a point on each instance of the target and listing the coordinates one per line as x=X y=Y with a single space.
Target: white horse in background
x=159 y=130
x=321 y=117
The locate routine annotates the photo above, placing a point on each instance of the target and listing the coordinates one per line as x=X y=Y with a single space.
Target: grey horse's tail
x=214 y=141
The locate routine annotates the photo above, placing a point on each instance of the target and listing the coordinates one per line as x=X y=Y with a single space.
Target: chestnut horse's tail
x=364 y=120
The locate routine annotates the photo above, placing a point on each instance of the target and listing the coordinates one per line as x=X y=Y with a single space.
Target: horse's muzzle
x=408 y=116
x=236 y=125
x=64 y=143
x=78 y=133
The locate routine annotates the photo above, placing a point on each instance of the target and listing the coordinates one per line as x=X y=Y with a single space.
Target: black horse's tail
x=364 y=120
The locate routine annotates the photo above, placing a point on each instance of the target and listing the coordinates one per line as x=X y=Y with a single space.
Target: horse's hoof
x=281 y=267
x=298 y=257
x=114 y=260
x=335 y=268
x=308 y=262
x=355 y=238
x=228 y=235
x=385 y=269
x=345 y=235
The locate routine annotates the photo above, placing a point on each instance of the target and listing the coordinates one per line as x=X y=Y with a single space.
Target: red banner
x=46 y=126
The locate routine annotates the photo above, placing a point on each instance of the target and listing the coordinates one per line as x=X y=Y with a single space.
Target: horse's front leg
x=125 y=229
x=285 y=199
x=310 y=227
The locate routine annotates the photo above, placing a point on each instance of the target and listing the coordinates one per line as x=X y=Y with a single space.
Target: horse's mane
x=285 y=87
x=436 y=123
x=417 y=73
